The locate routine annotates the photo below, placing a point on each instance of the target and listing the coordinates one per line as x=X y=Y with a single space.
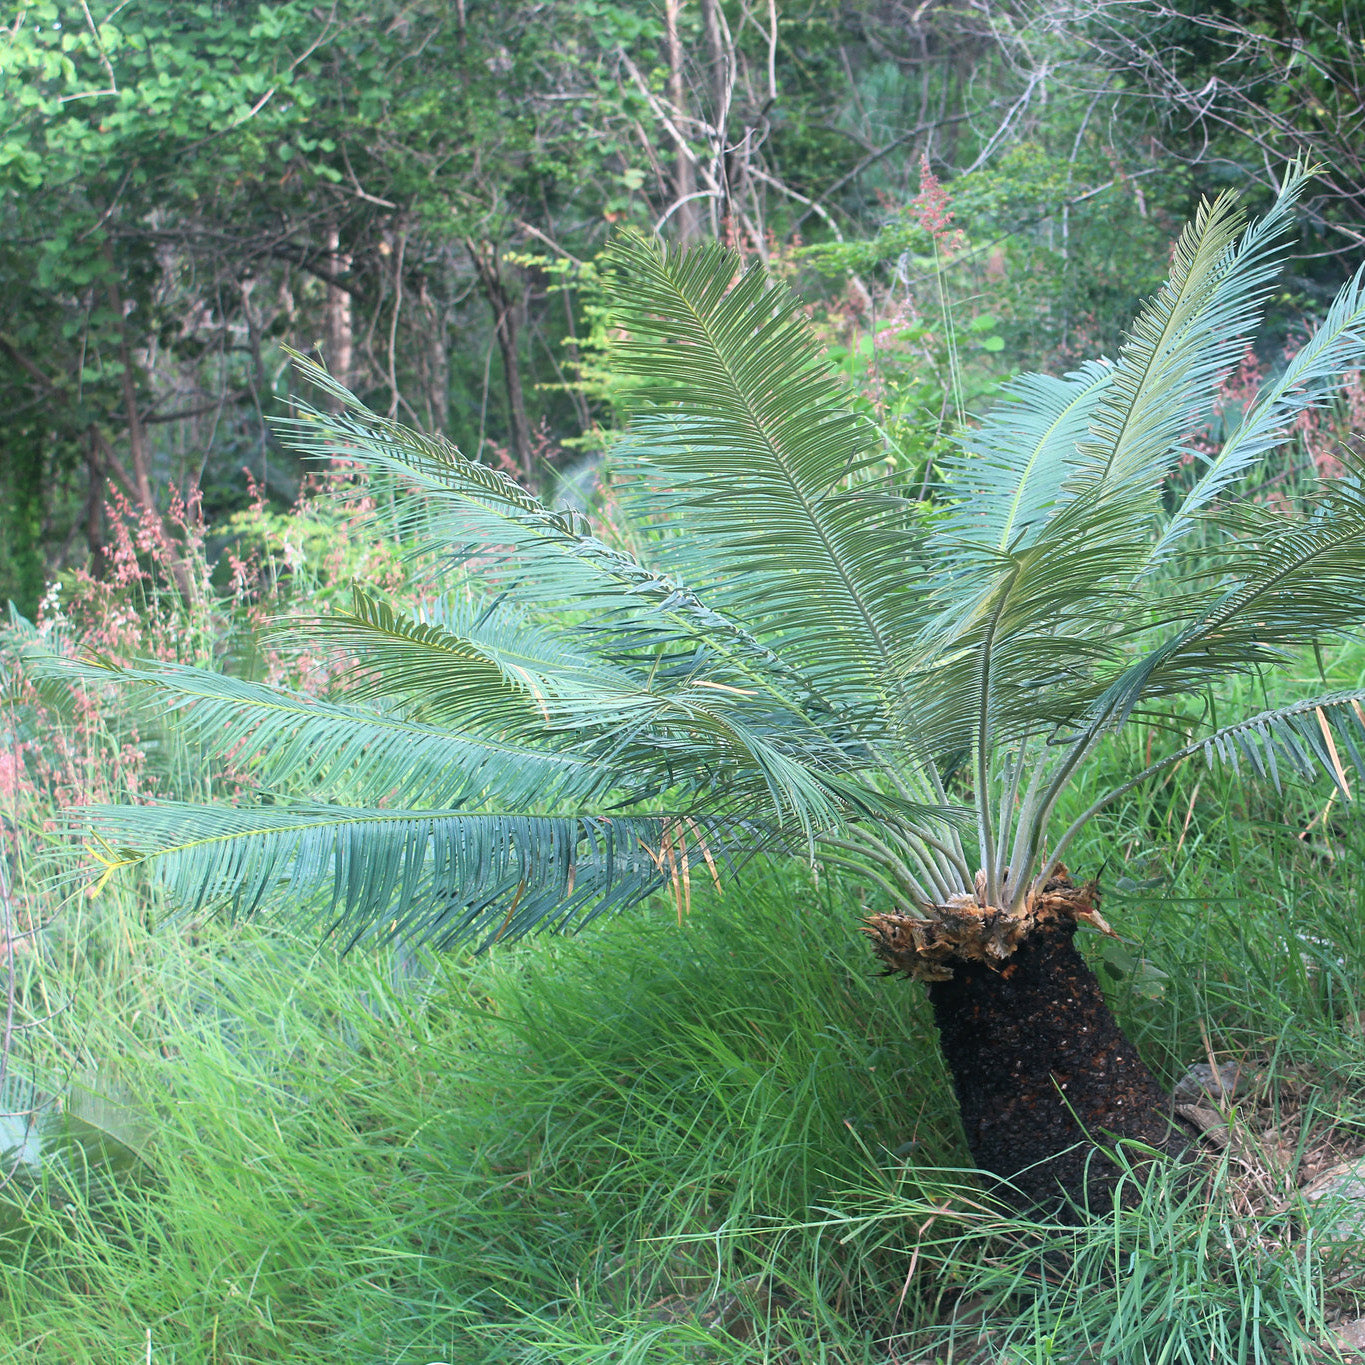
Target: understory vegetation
x=671 y=1142
x=701 y=1131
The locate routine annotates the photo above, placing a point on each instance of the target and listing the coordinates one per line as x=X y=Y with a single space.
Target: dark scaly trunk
x=1041 y=1069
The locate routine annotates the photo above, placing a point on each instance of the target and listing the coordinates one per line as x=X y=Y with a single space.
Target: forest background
x=418 y=193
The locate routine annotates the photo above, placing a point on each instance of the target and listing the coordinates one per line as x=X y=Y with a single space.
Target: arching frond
x=477 y=666
x=1320 y=736
x=1012 y=471
x=704 y=746
x=1336 y=344
x=478 y=519
x=429 y=876
x=1292 y=581
x=690 y=727
x=286 y=739
x=1082 y=459
x=1194 y=328
x=760 y=458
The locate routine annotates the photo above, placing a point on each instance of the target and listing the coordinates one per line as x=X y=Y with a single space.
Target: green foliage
x=911 y=367
x=182 y=192
x=307 y=558
x=1068 y=247
x=587 y=368
x=1228 y=87
x=889 y=666
x=659 y=1139
x=22 y=566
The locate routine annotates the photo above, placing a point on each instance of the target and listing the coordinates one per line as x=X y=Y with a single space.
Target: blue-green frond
x=1321 y=736
x=1288 y=580
x=287 y=740
x=763 y=463
x=1300 y=577
x=475 y=664
x=1337 y=344
x=429 y=876
x=1316 y=737
x=687 y=726
x=1011 y=471
x=1194 y=328
x=478 y=519
x=1025 y=650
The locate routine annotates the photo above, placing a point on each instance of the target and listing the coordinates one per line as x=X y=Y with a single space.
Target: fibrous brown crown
x=967 y=929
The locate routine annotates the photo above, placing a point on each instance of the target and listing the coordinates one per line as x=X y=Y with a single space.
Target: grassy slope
x=639 y=1144
x=349 y=1167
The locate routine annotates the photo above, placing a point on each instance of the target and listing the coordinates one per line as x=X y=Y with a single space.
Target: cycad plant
x=785 y=651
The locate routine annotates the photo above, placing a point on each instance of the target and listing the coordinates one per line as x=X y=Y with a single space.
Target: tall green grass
x=379 y=1159
x=723 y=1139
x=1252 y=899
x=727 y=1139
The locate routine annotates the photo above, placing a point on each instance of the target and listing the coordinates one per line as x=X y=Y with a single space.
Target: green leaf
x=427 y=876
x=748 y=441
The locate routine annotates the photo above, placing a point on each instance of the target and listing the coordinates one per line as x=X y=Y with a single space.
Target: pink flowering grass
x=65 y=745
x=930 y=210
x=1316 y=442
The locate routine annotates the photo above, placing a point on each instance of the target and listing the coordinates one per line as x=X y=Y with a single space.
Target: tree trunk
x=684 y=174
x=433 y=363
x=717 y=60
x=503 y=306
x=1041 y=1069
x=340 y=327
